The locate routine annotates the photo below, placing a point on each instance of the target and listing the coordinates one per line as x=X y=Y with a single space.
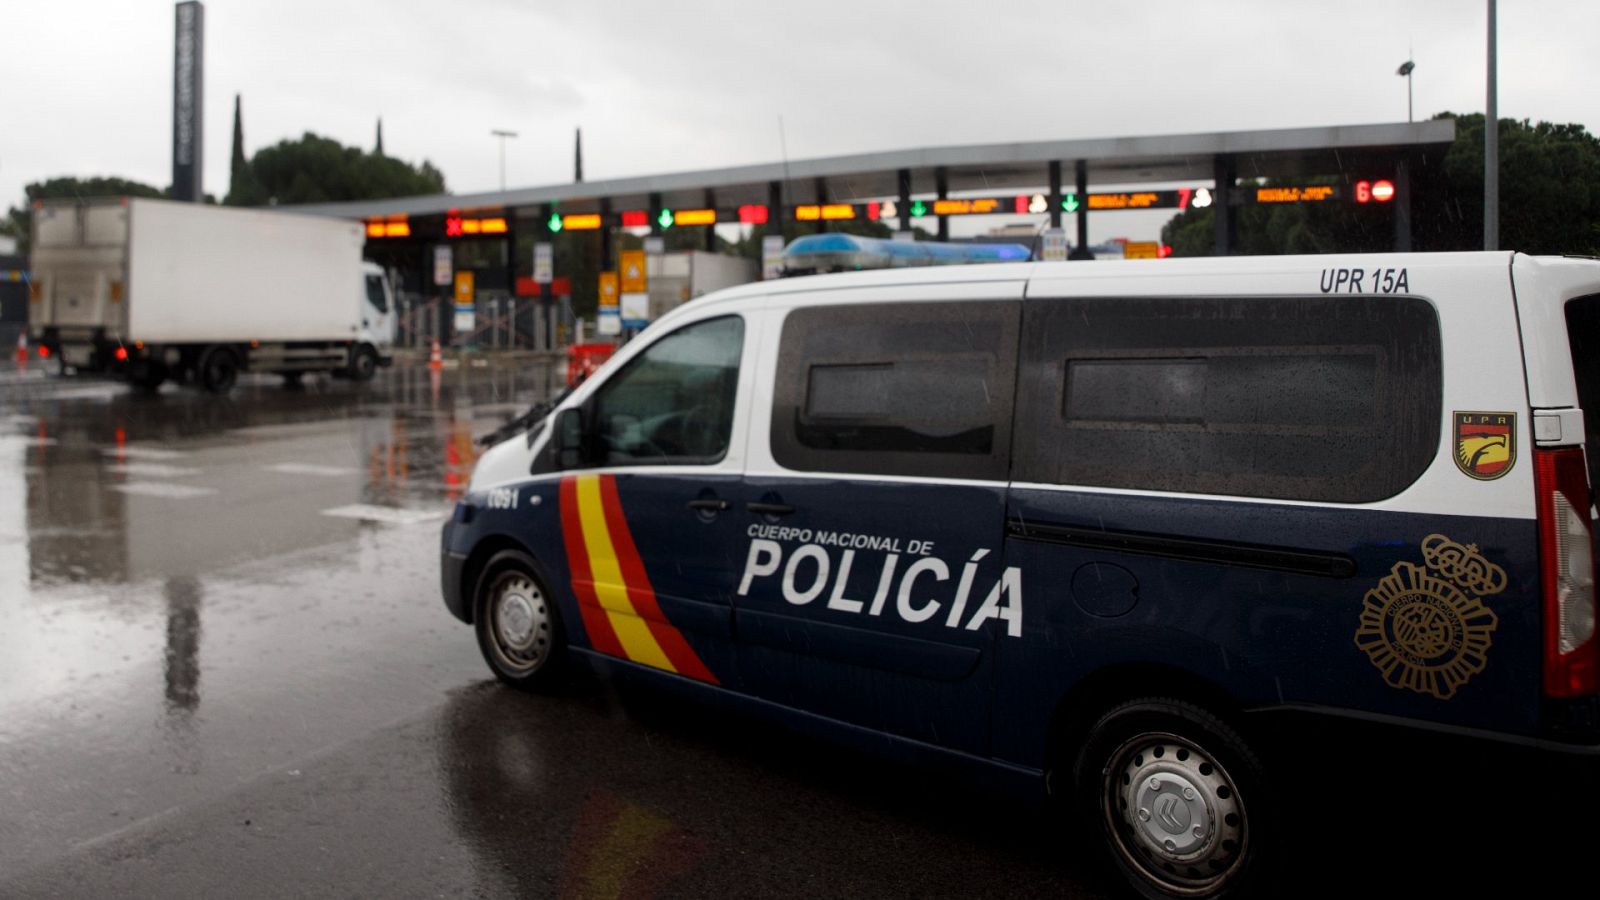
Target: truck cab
x=378 y=319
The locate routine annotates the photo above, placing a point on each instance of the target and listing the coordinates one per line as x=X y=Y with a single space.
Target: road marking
x=388 y=515
x=152 y=453
x=163 y=489
x=310 y=469
x=152 y=470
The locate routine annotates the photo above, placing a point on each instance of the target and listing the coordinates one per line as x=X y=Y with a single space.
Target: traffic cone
x=22 y=348
x=435 y=358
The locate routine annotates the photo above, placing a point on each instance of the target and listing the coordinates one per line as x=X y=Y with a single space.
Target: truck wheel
x=518 y=625
x=147 y=375
x=293 y=380
x=363 y=364
x=1177 y=798
x=219 y=370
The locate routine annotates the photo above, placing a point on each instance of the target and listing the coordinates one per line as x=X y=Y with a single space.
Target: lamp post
x=502 y=135
x=1491 y=153
x=1405 y=72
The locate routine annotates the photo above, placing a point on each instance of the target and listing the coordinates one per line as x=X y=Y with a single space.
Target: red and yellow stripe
x=615 y=600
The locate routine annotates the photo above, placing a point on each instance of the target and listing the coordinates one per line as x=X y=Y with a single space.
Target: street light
x=1491 y=151
x=1405 y=71
x=502 y=135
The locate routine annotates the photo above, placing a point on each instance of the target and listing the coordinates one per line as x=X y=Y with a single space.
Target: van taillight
x=1566 y=569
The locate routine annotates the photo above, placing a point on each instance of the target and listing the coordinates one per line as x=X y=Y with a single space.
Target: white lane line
x=152 y=470
x=385 y=514
x=310 y=469
x=151 y=453
x=163 y=489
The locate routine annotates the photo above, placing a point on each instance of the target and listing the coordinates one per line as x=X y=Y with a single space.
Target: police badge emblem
x=1486 y=443
x=1426 y=627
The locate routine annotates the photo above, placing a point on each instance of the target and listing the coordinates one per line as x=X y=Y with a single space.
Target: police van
x=1082 y=523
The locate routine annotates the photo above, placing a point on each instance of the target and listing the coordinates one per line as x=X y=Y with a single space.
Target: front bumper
x=451 y=566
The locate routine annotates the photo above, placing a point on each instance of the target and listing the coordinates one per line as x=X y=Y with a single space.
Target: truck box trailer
x=149 y=290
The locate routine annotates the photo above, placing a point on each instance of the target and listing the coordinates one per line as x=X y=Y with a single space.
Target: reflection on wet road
x=225 y=669
x=179 y=611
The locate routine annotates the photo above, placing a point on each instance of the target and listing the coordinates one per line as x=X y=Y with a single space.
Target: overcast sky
x=663 y=86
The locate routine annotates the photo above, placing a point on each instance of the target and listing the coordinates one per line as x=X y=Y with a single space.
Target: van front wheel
x=518 y=624
x=1178 y=798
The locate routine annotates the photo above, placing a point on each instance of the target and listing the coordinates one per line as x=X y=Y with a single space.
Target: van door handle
x=770 y=509
x=708 y=505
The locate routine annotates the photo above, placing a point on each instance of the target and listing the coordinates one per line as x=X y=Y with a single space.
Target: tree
x=316 y=169
x=1549 y=202
x=18 y=221
x=1549 y=189
x=241 y=181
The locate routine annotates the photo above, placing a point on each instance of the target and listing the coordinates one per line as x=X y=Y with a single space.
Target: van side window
x=673 y=403
x=1320 y=399
x=1583 y=336
x=897 y=389
x=375 y=294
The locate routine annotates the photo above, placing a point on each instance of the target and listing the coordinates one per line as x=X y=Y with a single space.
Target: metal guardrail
x=499 y=323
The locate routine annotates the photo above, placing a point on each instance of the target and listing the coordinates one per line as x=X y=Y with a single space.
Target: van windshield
x=1583 y=333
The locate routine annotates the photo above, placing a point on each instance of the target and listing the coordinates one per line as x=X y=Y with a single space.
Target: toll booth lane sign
x=635 y=310
x=443 y=264
x=543 y=262
x=631 y=269
x=609 y=318
x=466 y=317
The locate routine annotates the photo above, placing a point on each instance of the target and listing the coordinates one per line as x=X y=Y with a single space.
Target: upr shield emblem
x=1486 y=443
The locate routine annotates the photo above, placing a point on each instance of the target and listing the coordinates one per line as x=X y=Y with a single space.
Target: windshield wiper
x=534 y=415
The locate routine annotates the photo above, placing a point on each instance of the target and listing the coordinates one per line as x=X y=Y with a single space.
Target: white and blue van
x=1084 y=523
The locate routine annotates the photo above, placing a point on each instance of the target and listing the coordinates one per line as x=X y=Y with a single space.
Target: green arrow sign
x=918 y=208
x=554 y=223
x=665 y=219
x=1070 y=203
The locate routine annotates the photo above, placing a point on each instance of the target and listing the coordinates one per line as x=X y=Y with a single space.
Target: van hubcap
x=1174 y=813
x=521 y=618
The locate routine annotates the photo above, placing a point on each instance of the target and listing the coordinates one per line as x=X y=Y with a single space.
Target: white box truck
x=149 y=290
x=677 y=278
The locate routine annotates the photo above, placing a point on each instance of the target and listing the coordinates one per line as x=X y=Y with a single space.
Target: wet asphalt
x=225 y=670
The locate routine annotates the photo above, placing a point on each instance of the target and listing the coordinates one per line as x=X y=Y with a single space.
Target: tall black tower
x=188 y=82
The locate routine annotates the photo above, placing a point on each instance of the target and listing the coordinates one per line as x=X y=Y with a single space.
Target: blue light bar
x=834 y=252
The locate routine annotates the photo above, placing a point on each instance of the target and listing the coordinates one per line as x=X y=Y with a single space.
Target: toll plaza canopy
x=1348 y=163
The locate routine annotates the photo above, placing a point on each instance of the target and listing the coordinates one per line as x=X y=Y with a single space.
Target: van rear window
x=1319 y=399
x=1583 y=334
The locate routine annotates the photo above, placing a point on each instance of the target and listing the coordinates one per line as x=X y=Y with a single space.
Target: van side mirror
x=567 y=438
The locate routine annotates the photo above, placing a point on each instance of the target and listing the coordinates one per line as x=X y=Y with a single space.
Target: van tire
x=218 y=369
x=518 y=623
x=1190 y=770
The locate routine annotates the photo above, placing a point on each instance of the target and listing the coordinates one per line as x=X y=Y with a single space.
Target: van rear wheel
x=1178 y=799
x=518 y=625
